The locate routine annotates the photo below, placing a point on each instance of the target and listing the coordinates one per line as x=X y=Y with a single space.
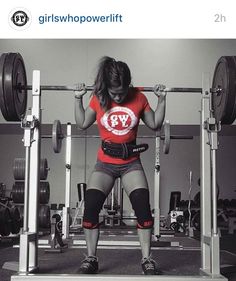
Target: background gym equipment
x=57 y=137
x=165 y=135
x=56 y=242
x=18 y=192
x=114 y=206
x=210 y=267
x=77 y=219
x=9 y=214
x=13 y=100
x=44 y=217
x=224 y=101
x=13 y=88
x=9 y=220
x=19 y=169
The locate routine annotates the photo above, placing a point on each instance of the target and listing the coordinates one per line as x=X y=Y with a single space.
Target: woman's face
x=118 y=94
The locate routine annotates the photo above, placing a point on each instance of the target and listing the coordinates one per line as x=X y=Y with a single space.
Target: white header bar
x=118 y=19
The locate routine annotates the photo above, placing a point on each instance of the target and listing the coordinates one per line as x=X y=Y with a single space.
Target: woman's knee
x=94 y=200
x=139 y=199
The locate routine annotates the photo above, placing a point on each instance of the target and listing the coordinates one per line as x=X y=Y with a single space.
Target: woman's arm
x=154 y=119
x=84 y=118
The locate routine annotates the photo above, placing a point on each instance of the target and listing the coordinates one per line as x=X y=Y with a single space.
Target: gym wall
x=170 y=62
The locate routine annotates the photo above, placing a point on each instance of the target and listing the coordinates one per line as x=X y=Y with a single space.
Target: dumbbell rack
x=210 y=266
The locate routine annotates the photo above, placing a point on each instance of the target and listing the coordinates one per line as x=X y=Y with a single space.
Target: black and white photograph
x=117 y=159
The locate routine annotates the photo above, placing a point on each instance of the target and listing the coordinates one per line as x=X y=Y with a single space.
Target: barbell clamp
x=29 y=124
x=213 y=128
x=157 y=168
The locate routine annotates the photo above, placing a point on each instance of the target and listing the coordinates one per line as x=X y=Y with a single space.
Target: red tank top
x=120 y=123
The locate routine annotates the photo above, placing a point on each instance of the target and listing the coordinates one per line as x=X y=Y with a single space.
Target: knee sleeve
x=139 y=199
x=94 y=200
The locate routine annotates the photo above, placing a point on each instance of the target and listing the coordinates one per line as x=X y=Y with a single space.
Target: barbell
x=13 y=88
x=165 y=135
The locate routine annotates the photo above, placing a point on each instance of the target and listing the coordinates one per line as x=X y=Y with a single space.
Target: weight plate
x=2 y=99
x=44 y=216
x=196 y=221
x=19 y=169
x=14 y=80
x=43 y=169
x=224 y=100
x=5 y=221
x=15 y=220
x=44 y=220
x=57 y=136
x=20 y=80
x=8 y=87
x=18 y=192
x=21 y=211
x=166 y=145
x=44 y=192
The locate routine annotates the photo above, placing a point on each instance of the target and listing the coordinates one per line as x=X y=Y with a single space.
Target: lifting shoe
x=149 y=266
x=89 y=265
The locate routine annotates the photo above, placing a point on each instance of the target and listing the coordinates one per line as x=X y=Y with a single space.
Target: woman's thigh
x=133 y=180
x=101 y=181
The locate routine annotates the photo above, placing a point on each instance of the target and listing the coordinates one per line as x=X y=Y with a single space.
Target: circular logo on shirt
x=119 y=120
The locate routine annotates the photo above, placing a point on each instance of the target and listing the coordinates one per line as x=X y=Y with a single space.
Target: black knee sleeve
x=94 y=200
x=139 y=199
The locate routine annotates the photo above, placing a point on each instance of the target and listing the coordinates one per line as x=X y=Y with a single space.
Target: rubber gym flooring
x=183 y=260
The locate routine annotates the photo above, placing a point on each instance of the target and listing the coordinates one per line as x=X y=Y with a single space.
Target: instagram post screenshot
x=118 y=140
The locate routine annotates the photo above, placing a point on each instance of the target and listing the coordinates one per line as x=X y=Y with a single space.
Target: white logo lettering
x=119 y=120
x=114 y=121
x=123 y=119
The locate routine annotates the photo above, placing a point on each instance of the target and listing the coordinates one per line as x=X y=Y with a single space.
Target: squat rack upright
x=210 y=263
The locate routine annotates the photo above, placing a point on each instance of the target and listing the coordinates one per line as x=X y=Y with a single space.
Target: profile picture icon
x=19 y=18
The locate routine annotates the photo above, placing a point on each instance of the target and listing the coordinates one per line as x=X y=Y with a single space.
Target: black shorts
x=118 y=170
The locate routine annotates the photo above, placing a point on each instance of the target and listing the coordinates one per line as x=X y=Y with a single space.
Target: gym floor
x=183 y=260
